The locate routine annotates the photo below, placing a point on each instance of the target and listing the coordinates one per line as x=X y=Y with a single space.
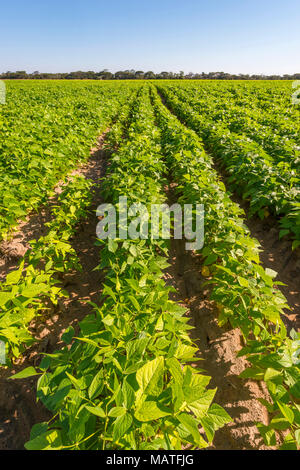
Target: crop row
x=125 y=382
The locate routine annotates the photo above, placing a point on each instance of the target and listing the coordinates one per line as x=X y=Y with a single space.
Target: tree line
x=139 y=74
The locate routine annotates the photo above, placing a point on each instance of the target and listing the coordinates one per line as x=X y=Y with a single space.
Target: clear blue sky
x=247 y=36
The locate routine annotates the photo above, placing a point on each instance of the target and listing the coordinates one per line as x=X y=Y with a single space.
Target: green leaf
x=243 y=282
x=211 y=258
x=5 y=297
x=267 y=433
x=271 y=273
x=218 y=416
x=252 y=373
x=75 y=382
x=286 y=411
x=200 y=401
x=96 y=386
x=25 y=373
x=108 y=291
x=151 y=410
x=68 y=335
x=34 y=290
x=149 y=377
x=38 y=429
x=133 y=250
x=272 y=374
x=289 y=443
x=129 y=395
x=175 y=369
x=13 y=277
x=279 y=423
x=112 y=245
x=117 y=411
x=96 y=410
x=47 y=441
x=190 y=424
x=121 y=426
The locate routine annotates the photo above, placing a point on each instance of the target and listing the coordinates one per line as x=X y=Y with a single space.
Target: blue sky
x=245 y=36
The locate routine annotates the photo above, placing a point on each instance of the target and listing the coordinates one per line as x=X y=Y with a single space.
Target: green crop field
x=143 y=359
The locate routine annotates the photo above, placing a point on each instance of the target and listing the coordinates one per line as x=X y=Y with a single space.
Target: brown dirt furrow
x=19 y=410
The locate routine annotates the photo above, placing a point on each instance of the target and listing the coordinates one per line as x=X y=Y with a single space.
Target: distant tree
x=190 y=75
x=105 y=75
x=20 y=74
x=164 y=75
x=139 y=74
x=121 y=75
x=149 y=75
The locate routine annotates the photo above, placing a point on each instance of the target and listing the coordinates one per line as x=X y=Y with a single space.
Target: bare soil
x=19 y=410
